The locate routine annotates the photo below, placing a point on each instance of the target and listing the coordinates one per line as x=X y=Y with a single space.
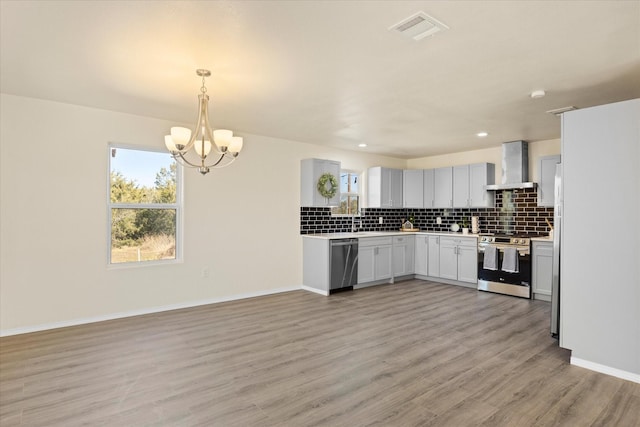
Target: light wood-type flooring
x=411 y=354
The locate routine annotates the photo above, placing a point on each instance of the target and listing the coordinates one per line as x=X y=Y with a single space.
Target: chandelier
x=205 y=154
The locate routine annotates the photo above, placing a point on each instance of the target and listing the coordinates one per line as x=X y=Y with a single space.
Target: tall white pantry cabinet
x=600 y=272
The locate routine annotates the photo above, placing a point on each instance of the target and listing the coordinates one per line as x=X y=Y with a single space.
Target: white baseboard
x=120 y=315
x=317 y=291
x=614 y=372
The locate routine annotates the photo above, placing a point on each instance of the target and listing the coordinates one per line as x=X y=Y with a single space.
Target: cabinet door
x=383 y=262
x=366 y=264
x=403 y=257
x=542 y=267
x=546 y=178
x=461 y=186
x=480 y=175
x=433 y=256
x=395 y=185
x=410 y=244
x=310 y=172
x=399 y=260
x=412 y=188
x=448 y=260
x=443 y=188
x=421 y=254
x=428 y=187
x=385 y=188
x=468 y=264
x=333 y=168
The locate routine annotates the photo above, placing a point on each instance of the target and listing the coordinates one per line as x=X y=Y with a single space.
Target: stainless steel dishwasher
x=344 y=264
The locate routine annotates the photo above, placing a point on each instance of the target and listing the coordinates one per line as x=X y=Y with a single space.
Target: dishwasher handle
x=344 y=242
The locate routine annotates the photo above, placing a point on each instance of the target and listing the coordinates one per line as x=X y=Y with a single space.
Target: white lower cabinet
x=403 y=255
x=421 y=254
x=459 y=259
x=427 y=255
x=541 y=269
x=374 y=259
x=433 y=258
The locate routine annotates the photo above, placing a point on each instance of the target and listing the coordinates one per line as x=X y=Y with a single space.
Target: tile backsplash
x=515 y=211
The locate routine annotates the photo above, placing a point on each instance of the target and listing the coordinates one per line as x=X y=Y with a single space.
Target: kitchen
x=495 y=213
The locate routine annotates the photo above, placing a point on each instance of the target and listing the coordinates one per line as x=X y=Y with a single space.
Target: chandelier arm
x=180 y=158
x=202 y=112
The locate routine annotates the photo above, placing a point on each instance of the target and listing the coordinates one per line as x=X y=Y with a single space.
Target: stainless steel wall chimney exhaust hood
x=515 y=167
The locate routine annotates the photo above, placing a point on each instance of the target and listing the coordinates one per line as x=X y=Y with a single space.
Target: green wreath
x=327 y=191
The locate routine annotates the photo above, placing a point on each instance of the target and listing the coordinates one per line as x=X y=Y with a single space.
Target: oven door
x=517 y=284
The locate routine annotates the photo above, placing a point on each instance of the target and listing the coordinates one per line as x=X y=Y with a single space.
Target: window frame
x=178 y=206
x=358 y=194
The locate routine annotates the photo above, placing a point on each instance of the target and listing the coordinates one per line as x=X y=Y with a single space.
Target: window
x=144 y=205
x=349 y=194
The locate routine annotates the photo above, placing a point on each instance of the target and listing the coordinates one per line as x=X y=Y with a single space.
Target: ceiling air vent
x=419 y=26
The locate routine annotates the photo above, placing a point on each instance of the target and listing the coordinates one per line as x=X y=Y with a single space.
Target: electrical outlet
x=380 y=220
x=438 y=220
x=205 y=272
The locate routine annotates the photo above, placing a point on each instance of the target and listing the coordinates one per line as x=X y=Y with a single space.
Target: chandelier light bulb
x=198 y=147
x=236 y=144
x=222 y=138
x=168 y=142
x=180 y=136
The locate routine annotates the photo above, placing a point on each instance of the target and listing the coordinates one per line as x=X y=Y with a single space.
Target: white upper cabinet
x=384 y=189
x=469 y=183
x=461 y=186
x=310 y=172
x=412 y=188
x=448 y=187
x=547 y=176
x=481 y=175
x=428 y=187
x=443 y=188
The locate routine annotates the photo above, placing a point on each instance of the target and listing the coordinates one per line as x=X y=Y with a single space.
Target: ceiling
x=331 y=72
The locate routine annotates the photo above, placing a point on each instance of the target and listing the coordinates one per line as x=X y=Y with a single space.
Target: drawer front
x=374 y=241
x=459 y=241
x=403 y=240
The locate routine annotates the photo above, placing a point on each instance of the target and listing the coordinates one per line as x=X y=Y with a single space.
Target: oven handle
x=521 y=252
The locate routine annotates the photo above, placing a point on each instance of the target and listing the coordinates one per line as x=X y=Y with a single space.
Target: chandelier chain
x=203 y=89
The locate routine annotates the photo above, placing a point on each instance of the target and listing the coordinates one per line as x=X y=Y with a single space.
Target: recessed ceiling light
x=537 y=94
x=362 y=145
x=481 y=134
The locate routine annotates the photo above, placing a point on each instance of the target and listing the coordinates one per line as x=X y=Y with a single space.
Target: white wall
x=242 y=222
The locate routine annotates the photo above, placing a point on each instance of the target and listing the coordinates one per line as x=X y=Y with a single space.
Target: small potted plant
x=465 y=225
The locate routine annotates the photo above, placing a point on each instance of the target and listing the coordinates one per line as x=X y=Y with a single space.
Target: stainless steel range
x=504 y=264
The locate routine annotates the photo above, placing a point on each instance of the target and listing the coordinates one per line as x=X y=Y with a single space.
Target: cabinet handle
x=450 y=202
